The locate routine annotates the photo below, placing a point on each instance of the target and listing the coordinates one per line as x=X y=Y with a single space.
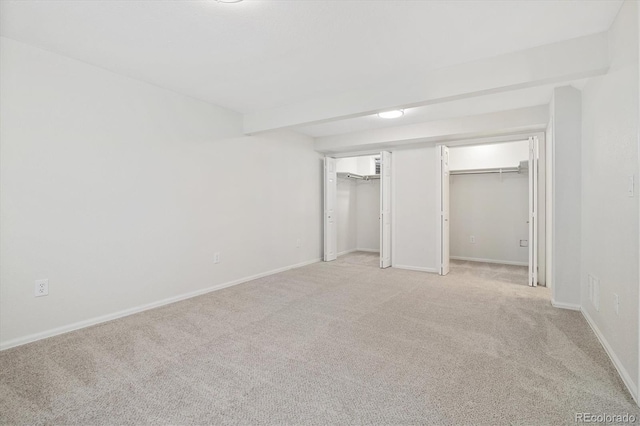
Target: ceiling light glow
x=228 y=1
x=391 y=114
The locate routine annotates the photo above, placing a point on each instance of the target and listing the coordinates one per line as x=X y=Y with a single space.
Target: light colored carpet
x=331 y=343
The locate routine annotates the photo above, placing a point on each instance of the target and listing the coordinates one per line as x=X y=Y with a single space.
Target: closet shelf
x=500 y=170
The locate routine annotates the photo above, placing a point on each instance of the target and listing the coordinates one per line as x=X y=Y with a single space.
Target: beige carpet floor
x=331 y=343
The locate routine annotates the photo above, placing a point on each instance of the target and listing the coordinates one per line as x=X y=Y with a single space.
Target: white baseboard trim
x=342 y=253
x=368 y=250
x=501 y=262
x=624 y=374
x=562 y=305
x=416 y=268
x=126 y=312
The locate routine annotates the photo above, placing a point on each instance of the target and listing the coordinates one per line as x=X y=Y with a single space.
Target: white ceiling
x=258 y=55
x=464 y=107
x=496 y=102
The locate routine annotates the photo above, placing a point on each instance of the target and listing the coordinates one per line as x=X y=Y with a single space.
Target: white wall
x=414 y=181
x=494 y=210
x=347 y=214
x=567 y=171
x=120 y=192
x=368 y=222
x=610 y=225
x=488 y=156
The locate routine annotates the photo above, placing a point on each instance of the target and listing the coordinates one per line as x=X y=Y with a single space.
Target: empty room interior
x=319 y=212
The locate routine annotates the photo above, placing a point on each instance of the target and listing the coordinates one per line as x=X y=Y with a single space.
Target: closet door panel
x=330 y=201
x=385 y=210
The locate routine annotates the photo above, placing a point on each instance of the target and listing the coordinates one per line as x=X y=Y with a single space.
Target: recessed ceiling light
x=391 y=114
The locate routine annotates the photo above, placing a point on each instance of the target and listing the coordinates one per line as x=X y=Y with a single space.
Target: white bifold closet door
x=444 y=212
x=385 y=209
x=533 y=211
x=330 y=201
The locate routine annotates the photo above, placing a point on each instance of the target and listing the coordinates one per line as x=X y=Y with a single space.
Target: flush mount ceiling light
x=228 y=1
x=391 y=114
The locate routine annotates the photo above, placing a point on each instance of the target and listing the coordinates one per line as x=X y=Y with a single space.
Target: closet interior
x=489 y=204
x=358 y=204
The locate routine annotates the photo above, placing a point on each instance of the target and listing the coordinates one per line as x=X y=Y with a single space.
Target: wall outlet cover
x=41 y=288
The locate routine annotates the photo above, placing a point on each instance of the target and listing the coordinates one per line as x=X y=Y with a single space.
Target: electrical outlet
x=42 y=288
x=631 y=186
x=616 y=303
x=216 y=257
x=472 y=239
x=298 y=243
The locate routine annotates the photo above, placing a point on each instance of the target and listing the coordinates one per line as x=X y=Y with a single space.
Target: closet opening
x=357 y=219
x=489 y=197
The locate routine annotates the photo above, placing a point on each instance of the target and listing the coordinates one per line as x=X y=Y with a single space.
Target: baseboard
x=126 y=312
x=368 y=250
x=624 y=374
x=416 y=268
x=500 y=262
x=562 y=305
x=342 y=253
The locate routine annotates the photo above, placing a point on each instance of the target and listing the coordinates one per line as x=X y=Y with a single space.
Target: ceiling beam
x=549 y=64
x=506 y=123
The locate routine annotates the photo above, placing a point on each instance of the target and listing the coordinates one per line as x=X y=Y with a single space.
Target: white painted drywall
x=542 y=208
x=120 y=193
x=494 y=210
x=487 y=156
x=368 y=222
x=567 y=146
x=610 y=224
x=347 y=214
x=414 y=182
x=549 y=207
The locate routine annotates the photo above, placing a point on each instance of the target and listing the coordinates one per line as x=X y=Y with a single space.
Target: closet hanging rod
x=488 y=171
x=350 y=175
x=357 y=176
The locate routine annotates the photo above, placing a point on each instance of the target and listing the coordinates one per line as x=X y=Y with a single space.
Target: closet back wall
x=494 y=210
x=346 y=215
x=369 y=215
